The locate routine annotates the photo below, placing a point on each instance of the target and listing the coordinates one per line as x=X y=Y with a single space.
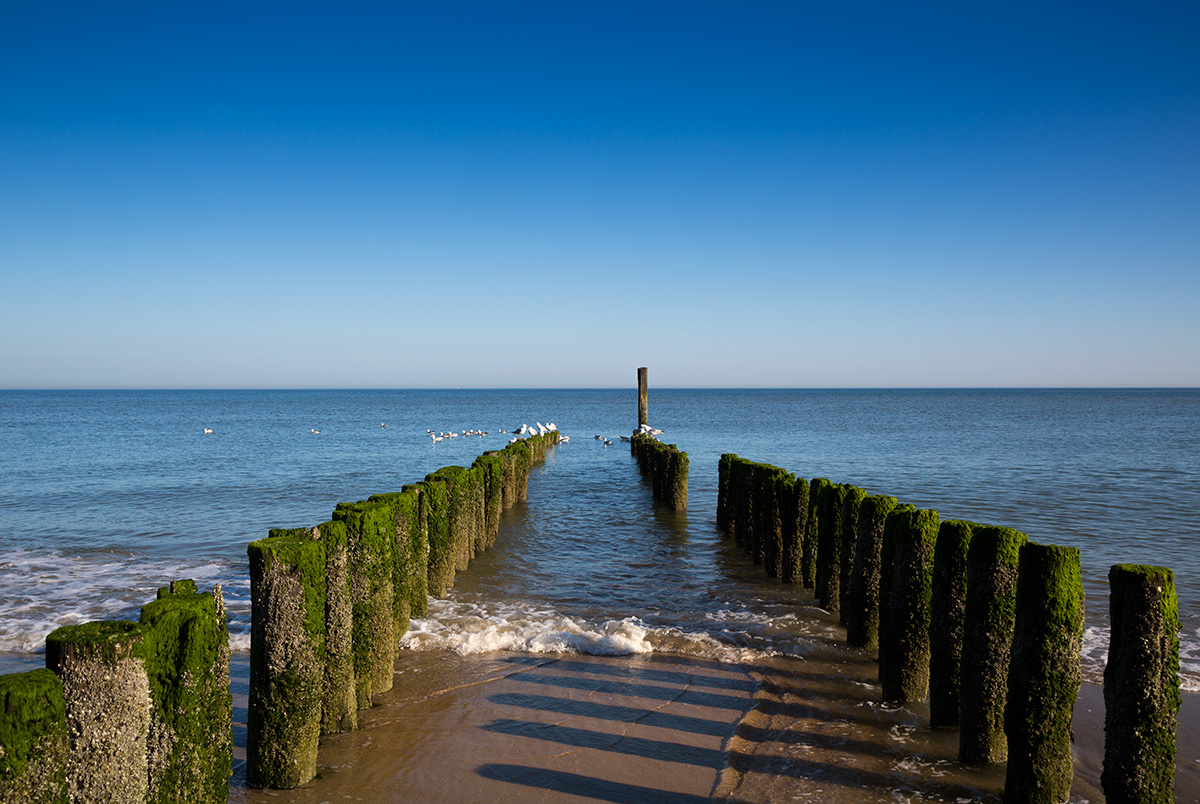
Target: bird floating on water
x=207 y=430
x=315 y=432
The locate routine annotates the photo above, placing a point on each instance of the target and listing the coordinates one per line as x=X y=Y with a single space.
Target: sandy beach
x=663 y=728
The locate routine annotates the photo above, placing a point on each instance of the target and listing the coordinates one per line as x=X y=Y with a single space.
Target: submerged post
x=643 y=397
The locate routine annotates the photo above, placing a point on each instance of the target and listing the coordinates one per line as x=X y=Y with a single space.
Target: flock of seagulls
x=523 y=430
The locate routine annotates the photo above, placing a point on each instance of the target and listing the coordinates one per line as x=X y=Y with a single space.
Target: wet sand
x=663 y=728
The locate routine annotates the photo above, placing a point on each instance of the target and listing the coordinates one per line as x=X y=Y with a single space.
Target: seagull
x=552 y=427
x=523 y=429
x=382 y=424
x=315 y=432
x=564 y=440
x=207 y=430
x=541 y=428
x=608 y=442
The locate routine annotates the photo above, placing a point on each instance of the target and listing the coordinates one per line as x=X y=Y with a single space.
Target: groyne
x=136 y=712
x=141 y=712
x=666 y=468
x=329 y=602
x=977 y=619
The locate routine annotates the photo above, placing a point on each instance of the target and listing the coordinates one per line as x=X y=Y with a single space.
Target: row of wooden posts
x=329 y=603
x=125 y=712
x=141 y=712
x=665 y=466
x=977 y=619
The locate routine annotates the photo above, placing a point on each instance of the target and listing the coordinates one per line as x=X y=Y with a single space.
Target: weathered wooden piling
x=724 y=478
x=887 y=555
x=793 y=517
x=988 y=621
x=1141 y=686
x=946 y=621
x=339 y=687
x=190 y=745
x=904 y=632
x=106 y=697
x=1044 y=675
x=33 y=739
x=851 y=504
x=809 y=562
x=435 y=511
x=643 y=396
x=491 y=469
x=666 y=468
x=411 y=552
x=287 y=658
x=830 y=505
x=862 y=620
x=371 y=537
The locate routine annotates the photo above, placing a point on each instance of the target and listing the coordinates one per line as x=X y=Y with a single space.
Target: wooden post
x=643 y=400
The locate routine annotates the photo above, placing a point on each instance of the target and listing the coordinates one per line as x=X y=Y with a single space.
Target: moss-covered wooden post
x=829 y=546
x=852 y=499
x=946 y=621
x=287 y=658
x=106 y=697
x=862 y=622
x=33 y=739
x=187 y=664
x=1141 y=686
x=371 y=531
x=904 y=631
x=811 y=533
x=724 y=468
x=410 y=587
x=988 y=621
x=435 y=508
x=793 y=516
x=339 y=696
x=1044 y=675
x=492 y=469
x=677 y=481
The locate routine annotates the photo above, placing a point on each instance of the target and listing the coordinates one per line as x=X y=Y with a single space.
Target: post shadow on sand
x=857 y=779
x=642 y=673
x=615 y=713
x=693 y=697
x=585 y=786
x=615 y=743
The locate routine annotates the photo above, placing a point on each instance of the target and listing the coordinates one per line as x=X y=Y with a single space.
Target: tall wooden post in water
x=643 y=400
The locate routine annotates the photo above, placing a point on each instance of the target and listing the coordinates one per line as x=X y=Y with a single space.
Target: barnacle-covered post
x=106 y=695
x=1141 y=686
x=33 y=739
x=946 y=621
x=287 y=658
x=904 y=631
x=1044 y=675
x=988 y=621
x=187 y=664
x=862 y=620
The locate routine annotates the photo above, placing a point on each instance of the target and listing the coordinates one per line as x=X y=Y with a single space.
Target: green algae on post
x=904 y=629
x=793 y=513
x=808 y=565
x=829 y=546
x=1044 y=675
x=287 y=658
x=106 y=697
x=1141 y=686
x=862 y=620
x=187 y=665
x=33 y=739
x=339 y=701
x=946 y=621
x=988 y=621
x=371 y=537
x=851 y=504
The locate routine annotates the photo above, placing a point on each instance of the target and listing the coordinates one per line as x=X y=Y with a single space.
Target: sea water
x=106 y=495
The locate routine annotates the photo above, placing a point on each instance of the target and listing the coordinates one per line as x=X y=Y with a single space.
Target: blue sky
x=548 y=194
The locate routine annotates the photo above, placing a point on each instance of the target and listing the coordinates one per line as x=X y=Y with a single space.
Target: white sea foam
x=44 y=590
x=467 y=628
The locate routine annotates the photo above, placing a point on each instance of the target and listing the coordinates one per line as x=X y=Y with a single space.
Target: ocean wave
x=468 y=628
x=45 y=590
